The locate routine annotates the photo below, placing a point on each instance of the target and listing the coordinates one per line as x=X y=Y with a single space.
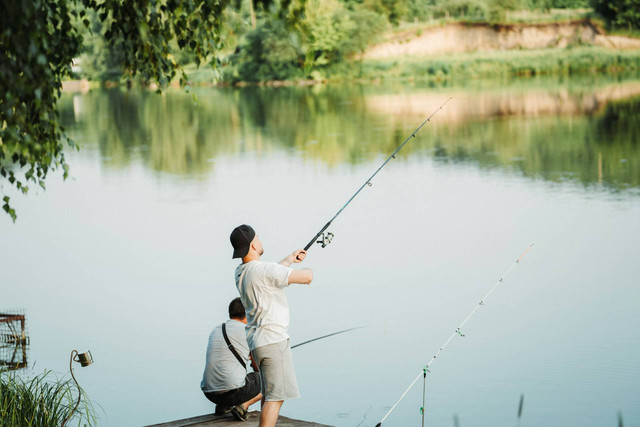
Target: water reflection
x=585 y=133
x=13 y=341
x=600 y=149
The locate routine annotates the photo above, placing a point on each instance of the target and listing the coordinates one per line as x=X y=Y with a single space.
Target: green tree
x=271 y=52
x=333 y=32
x=394 y=10
x=39 y=39
x=329 y=33
x=37 y=44
x=99 y=60
x=569 y=4
x=619 y=13
x=498 y=8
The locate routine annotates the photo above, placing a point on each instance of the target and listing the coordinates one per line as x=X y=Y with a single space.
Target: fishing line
x=458 y=331
x=325 y=239
x=326 y=336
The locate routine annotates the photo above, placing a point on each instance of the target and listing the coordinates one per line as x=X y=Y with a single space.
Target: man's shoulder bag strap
x=230 y=346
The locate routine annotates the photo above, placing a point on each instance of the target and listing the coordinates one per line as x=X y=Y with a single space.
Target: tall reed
x=41 y=401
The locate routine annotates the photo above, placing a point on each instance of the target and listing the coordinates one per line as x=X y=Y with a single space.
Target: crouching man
x=225 y=381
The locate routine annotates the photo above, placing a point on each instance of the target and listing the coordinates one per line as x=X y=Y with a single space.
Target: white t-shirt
x=261 y=286
x=222 y=371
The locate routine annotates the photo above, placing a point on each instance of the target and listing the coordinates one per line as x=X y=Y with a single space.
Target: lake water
x=130 y=257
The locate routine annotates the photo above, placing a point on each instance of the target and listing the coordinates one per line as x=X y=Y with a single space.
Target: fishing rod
x=323 y=238
x=325 y=336
x=458 y=331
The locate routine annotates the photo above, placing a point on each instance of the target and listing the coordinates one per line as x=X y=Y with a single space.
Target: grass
x=41 y=401
x=553 y=15
x=562 y=62
x=504 y=64
x=627 y=32
x=511 y=17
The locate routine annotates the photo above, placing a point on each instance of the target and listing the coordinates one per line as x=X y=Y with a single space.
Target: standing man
x=225 y=381
x=261 y=285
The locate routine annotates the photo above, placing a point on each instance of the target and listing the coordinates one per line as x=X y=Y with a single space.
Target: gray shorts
x=278 y=378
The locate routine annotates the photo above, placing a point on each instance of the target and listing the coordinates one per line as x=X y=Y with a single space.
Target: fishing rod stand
x=325 y=239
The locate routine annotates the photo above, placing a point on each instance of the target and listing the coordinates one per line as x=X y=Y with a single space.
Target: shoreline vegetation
x=43 y=400
x=525 y=45
x=506 y=64
x=438 y=70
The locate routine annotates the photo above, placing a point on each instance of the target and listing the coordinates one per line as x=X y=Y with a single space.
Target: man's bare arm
x=303 y=276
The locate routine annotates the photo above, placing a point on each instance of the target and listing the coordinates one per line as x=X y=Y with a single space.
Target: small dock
x=228 y=421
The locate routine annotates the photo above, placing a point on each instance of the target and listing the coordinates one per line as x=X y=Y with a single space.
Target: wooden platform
x=229 y=421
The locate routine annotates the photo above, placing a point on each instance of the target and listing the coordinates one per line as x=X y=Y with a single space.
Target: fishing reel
x=325 y=239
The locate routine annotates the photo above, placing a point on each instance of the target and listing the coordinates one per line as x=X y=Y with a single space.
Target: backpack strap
x=230 y=346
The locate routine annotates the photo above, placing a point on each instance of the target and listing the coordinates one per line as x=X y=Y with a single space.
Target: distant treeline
x=310 y=42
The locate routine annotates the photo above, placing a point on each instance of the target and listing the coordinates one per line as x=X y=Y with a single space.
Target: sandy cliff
x=464 y=37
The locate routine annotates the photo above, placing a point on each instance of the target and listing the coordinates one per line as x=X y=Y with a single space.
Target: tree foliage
x=394 y=10
x=271 y=52
x=619 y=13
x=39 y=40
x=332 y=32
x=328 y=33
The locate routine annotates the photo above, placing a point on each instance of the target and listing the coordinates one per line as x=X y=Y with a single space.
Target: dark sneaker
x=221 y=410
x=239 y=413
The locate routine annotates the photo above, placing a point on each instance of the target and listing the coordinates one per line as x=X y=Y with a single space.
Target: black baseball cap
x=241 y=238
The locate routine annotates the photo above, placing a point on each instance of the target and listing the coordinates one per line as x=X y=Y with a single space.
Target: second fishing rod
x=323 y=237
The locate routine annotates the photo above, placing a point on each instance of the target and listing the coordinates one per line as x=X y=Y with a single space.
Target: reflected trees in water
x=577 y=135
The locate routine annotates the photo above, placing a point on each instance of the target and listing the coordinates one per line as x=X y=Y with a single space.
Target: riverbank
x=499 y=64
x=475 y=50
x=471 y=37
x=445 y=70
x=455 y=68
x=457 y=51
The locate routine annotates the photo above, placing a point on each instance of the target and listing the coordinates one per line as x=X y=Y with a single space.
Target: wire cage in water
x=13 y=340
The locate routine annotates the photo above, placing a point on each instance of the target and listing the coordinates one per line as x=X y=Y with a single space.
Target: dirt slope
x=464 y=37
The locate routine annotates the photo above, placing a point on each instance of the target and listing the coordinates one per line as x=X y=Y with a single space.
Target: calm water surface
x=130 y=257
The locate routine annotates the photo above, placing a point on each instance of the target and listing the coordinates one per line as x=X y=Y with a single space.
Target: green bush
x=270 y=52
x=619 y=13
x=437 y=9
x=394 y=10
x=328 y=36
x=334 y=33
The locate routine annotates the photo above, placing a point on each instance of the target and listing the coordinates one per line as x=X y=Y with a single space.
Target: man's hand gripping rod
x=325 y=238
